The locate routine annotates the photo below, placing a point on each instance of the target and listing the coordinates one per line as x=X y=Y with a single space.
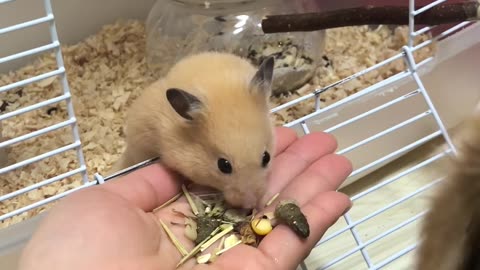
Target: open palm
x=112 y=226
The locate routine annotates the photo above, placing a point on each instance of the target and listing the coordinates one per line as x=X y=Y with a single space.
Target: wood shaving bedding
x=107 y=71
x=349 y=50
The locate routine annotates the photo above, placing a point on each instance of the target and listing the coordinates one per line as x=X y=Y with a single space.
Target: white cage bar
x=60 y=73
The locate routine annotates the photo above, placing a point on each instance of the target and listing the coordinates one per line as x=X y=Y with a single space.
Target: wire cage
x=373 y=235
x=58 y=73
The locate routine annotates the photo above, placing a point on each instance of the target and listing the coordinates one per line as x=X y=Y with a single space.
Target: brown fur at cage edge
x=450 y=232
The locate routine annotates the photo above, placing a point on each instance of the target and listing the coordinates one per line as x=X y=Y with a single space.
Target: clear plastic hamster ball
x=177 y=28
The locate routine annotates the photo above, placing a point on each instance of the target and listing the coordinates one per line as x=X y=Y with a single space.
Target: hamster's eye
x=224 y=166
x=265 y=159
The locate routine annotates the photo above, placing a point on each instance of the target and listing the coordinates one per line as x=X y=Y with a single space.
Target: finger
x=288 y=249
x=239 y=257
x=147 y=187
x=296 y=158
x=284 y=137
x=142 y=262
x=325 y=174
x=173 y=218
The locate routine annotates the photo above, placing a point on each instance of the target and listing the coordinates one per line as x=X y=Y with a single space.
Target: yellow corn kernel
x=261 y=226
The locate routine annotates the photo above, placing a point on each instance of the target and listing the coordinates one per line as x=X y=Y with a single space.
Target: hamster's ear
x=262 y=80
x=185 y=104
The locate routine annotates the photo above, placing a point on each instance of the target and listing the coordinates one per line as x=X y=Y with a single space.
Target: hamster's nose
x=245 y=200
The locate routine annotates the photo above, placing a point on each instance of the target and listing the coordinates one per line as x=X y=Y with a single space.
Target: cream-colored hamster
x=207 y=119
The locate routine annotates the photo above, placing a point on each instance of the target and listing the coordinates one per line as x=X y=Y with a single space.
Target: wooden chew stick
x=371 y=15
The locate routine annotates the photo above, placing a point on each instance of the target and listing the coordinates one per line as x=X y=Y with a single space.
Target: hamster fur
x=210 y=111
x=451 y=229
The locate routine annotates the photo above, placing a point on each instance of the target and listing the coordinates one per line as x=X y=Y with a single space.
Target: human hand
x=111 y=226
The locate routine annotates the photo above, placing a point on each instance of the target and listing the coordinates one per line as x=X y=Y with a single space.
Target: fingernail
x=348 y=209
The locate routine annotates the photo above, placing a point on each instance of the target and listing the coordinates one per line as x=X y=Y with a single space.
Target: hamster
x=451 y=229
x=209 y=120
